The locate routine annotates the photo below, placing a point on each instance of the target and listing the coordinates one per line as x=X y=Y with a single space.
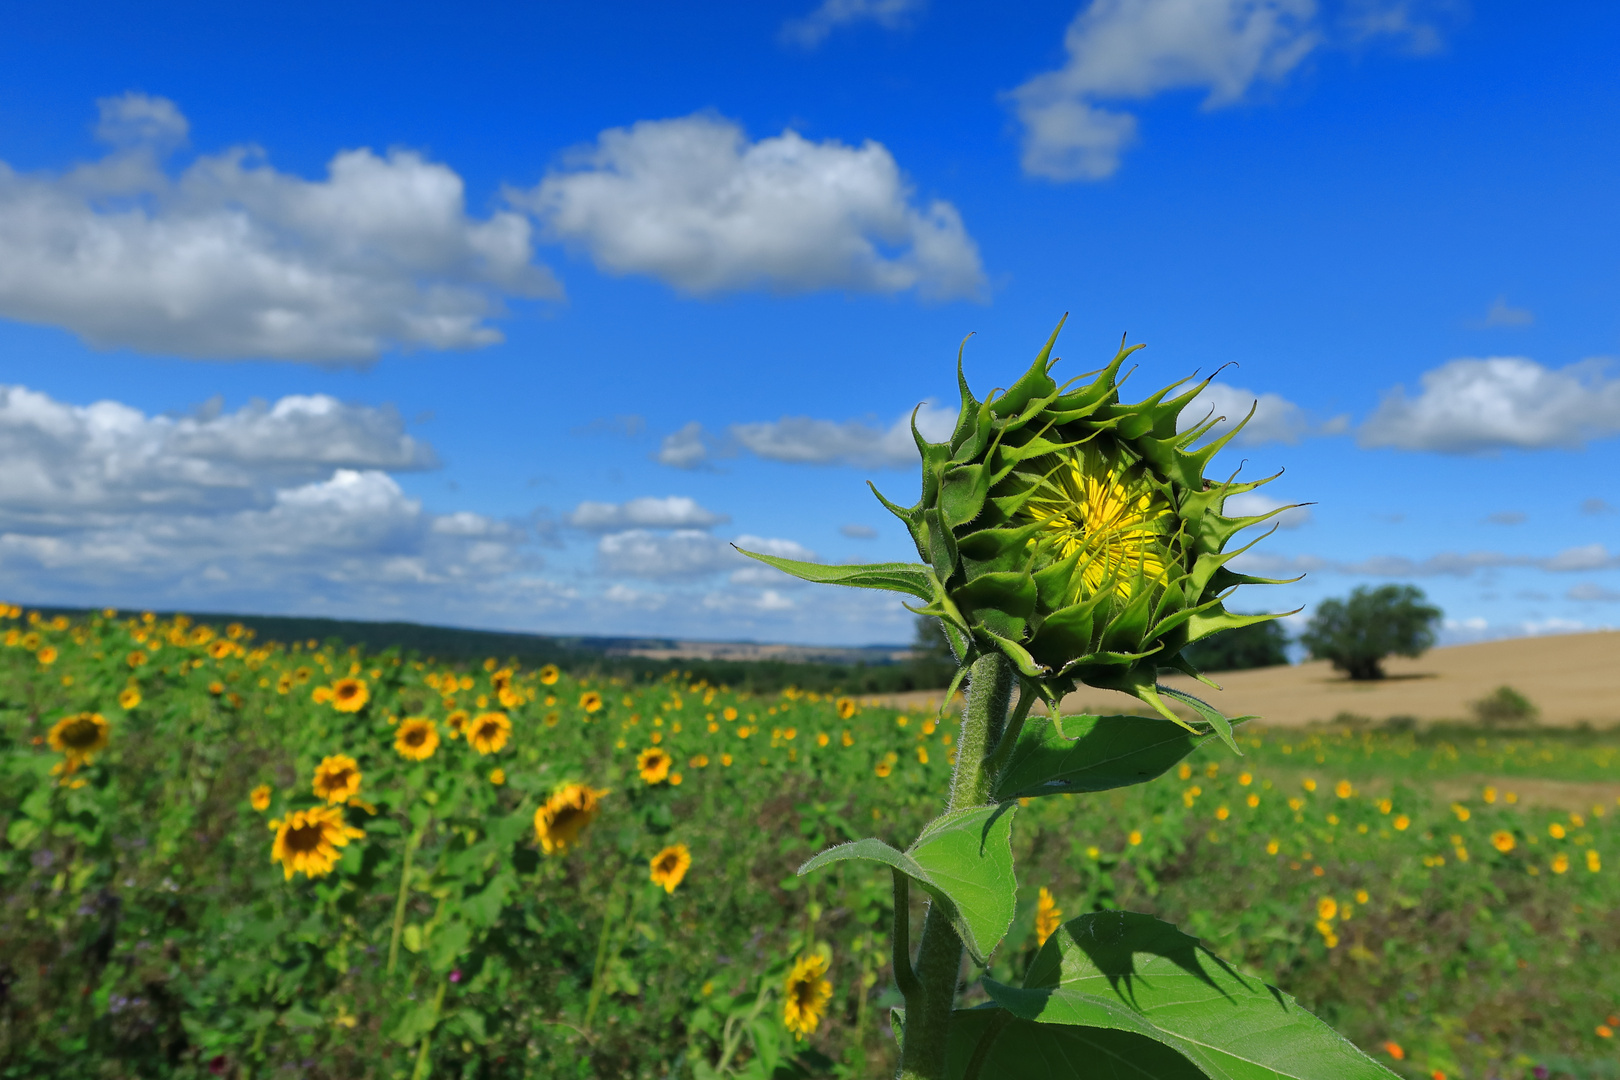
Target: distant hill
x=762 y=668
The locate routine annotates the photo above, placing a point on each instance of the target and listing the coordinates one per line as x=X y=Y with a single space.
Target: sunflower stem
x=599 y=972
x=423 y=1061
x=939 y=952
x=399 y=903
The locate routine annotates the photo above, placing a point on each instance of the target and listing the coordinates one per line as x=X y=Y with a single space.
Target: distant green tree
x=1355 y=635
x=1255 y=646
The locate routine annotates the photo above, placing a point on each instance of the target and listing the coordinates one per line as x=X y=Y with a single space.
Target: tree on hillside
x=1254 y=646
x=1356 y=635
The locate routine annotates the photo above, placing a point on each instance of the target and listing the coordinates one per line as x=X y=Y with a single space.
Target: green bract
x=1071 y=532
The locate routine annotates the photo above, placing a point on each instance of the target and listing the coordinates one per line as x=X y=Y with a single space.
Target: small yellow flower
x=1253 y=800
x=47 y=655
x=805 y=995
x=846 y=708
x=1222 y=813
x=590 y=701
x=135 y=659
x=1327 y=909
x=1401 y=822
x=337 y=777
x=1185 y=772
x=1362 y=897
x=1594 y=862
x=1343 y=789
x=1461 y=811
x=922 y=755
x=699 y=761
x=1560 y=863
x=548 y=675
x=1556 y=831
x=725 y=759
x=1385 y=806
x=1048 y=916
x=668 y=867
x=883 y=768
x=259 y=797
x=457 y=722
x=729 y=713
x=350 y=695
x=561 y=818
x=307 y=841
x=416 y=738
x=489 y=732
x=1503 y=841
x=128 y=698
x=1135 y=838
x=1272 y=847
x=1310 y=785
x=497 y=776
x=653 y=765
x=1489 y=794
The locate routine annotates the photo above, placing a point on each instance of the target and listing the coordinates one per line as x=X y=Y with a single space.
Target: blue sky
x=514 y=316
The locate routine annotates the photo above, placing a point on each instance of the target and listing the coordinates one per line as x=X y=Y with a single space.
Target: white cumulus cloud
x=812 y=29
x=694 y=203
x=670 y=512
x=1133 y=49
x=1276 y=419
x=1474 y=405
x=1254 y=503
x=685 y=553
x=810 y=441
x=229 y=257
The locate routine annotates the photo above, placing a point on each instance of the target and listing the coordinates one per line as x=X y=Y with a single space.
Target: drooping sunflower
x=1048 y=916
x=416 y=738
x=560 y=820
x=489 y=732
x=337 y=777
x=668 y=867
x=549 y=674
x=653 y=765
x=128 y=698
x=80 y=737
x=350 y=695
x=590 y=701
x=805 y=995
x=307 y=841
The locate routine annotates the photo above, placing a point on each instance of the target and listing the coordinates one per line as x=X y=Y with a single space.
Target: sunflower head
x=668 y=867
x=80 y=737
x=129 y=697
x=590 y=701
x=561 y=818
x=1048 y=916
x=307 y=841
x=549 y=674
x=1072 y=532
x=350 y=695
x=805 y=995
x=489 y=732
x=653 y=765
x=456 y=722
x=336 y=778
x=259 y=797
x=416 y=738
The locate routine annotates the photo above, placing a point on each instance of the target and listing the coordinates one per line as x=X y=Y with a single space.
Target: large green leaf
x=1091 y=753
x=964 y=859
x=912 y=578
x=1026 y=1050
x=1132 y=972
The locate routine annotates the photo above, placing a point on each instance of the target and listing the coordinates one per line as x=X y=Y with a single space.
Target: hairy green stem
x=904 y=977
x=939 y=952
x=399 y=904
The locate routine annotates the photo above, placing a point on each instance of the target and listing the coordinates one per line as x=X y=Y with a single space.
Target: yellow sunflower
x=805 y=995
x=416 y=738
x=497 y=777
x=456 y=722
x=128 y=698
x=846 y=708
x=47 y=655
x=669 y=866
x=78 y=738
x=1048 y=916
x=653 y=764
x=560 y=820
x=510 y=697
x=337 y=777
x=350 y=695
x=590 y=701
x=489 y=732
x=1115 y=523
x=135 y=659
x=548 y=674
x=260 y=797
x=220 y=649
x=307 y=840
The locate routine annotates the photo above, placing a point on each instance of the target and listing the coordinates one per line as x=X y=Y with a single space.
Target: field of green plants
x=229 y=858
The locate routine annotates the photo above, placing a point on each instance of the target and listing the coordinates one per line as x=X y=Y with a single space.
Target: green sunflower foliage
x=1073 y=533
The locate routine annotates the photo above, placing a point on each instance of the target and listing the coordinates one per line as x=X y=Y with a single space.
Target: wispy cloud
x=812 y=29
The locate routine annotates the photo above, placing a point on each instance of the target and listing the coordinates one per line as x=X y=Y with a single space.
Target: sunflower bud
x=1073 y=533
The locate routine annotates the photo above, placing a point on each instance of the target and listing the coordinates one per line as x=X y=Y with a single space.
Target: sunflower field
x=223 y=857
